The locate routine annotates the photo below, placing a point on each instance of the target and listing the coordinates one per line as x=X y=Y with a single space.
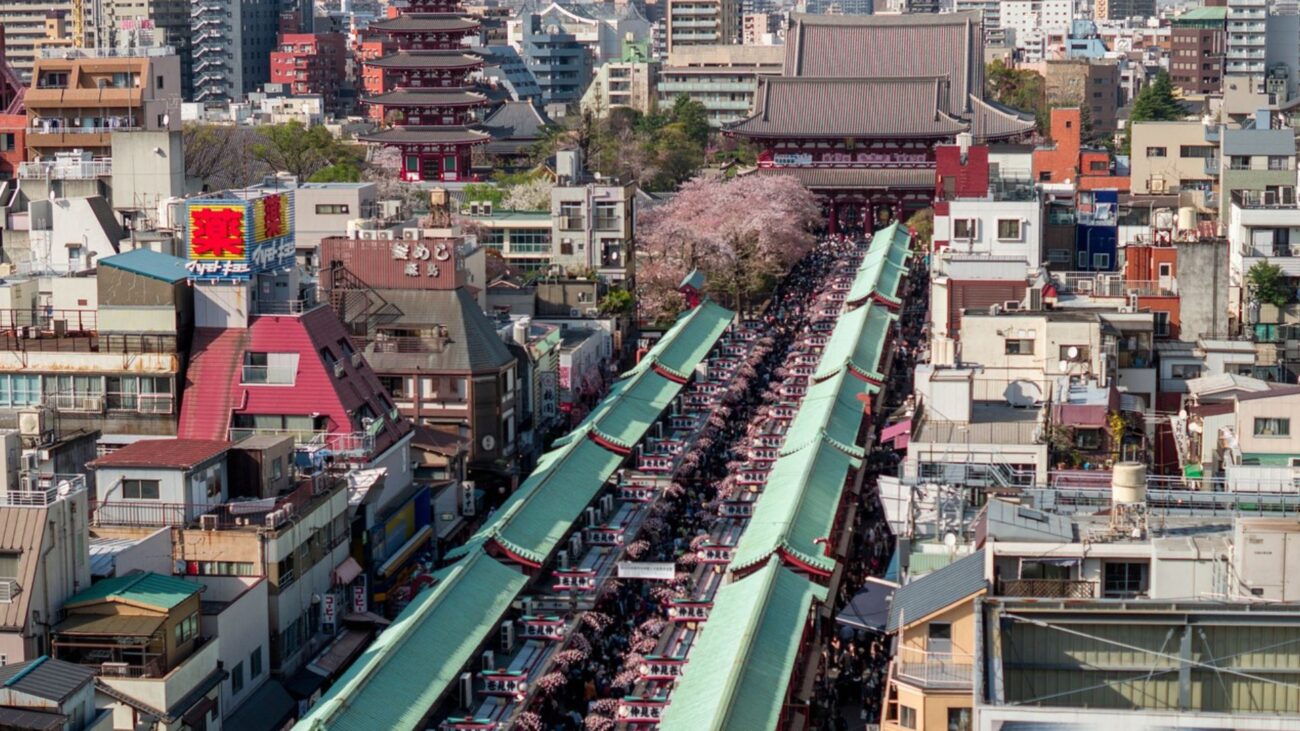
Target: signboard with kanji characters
x=687 y=611
x=396 y=259
x=503 y=682
x=632 y=709
x=542 y=628
x=231 y=239
x=578 y=580
x=654 y=667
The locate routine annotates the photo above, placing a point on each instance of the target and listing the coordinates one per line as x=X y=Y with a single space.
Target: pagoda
x=424 y=92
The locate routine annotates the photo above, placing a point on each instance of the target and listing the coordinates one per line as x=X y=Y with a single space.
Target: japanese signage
x=469 y=723
x=360 y=601
x=656 y=463
x=663 y=571
x=654 y=667
x=636 y=493
x=578 y=580
x=605 y=536
x=689 y=611
x=710 y=553
x=737 y=509
x=503 y=682
x=883 y=158
x=135 y=24
x=543 y=628
x=641 y=710
x=232 y=239
x=420 y=259
x=328 y=609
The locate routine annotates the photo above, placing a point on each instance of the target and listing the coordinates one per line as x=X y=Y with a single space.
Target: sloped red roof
x=181 y=454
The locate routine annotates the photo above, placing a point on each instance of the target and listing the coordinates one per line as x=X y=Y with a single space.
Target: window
x=1185 y=370
x=1101 y=261
x=255 y=663
x=1019 y=346
x=159 y=82
x=906 y=716
x=216 y=568
x=1124 y=580
x=1239 y=162
x=237 y=678
x=571 y=216
x=1099 y=166
x=141 y=489
x=963 y=228
x=1278 y=162
x=1045 y=176
x=1161 y=324
x=75 y=393
x=1009 y=229
x=9 y=563
x=1272 y=427
x=8 y=141
x=277 y=468
x=346 y=348
x=1157 y=152
x=1203 y=152
x=270 y=369
x=959 y=719
x=331 y=209
x=16 y=390
x=187 y=628
x=606 y=217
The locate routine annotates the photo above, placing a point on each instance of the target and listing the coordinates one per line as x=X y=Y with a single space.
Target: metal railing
x=285 y=307
x=935 y=669
x=137 y=52
x=268 y=375
x=266 y=513
x=66 y=169
x=346 y=444
x=1265 y=199
x=73 y=131
x=46 y=490
x=1048 y=588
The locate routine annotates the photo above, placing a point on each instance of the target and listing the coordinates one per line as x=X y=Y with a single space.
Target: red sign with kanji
x=217 y=232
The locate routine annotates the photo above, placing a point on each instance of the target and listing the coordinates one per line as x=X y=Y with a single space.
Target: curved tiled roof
x=427 y=60
x=430 y=98
x=415 y=135
x=413 y=23
x=861 y=108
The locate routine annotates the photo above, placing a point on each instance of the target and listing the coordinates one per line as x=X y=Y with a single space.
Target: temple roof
x=427 y=98
x=861 y=108
x=412 y=23
x=417 y=135
x=427 y=60
x=991 y=121
x=882 y=46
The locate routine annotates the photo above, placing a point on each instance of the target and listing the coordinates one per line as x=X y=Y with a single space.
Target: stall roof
x=858 y=343
x=404 y=672
x=834 y=407
x=632 y=405
x=745 y=655
x=691 y=338
x=884 y=265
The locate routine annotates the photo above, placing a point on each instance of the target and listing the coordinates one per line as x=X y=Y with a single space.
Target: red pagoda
x=423 y=90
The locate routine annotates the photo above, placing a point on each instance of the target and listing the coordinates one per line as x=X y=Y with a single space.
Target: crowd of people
x=629 y=616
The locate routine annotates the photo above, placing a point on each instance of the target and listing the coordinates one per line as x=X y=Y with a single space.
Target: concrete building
x=1247 y=29
x=523 y=238
x=1257 y=158
x=702 y=23
x=1124 y=9
x=1172 y=157
x=130 y=24
x=593 y=222
x=1198 y=44
x=311 y=64
x=1092 y=85
x=232 y=45
x=558 y=60
x=1027 y=17
x=24 y=29
x=622 y=84
x=78 y=103
x=324 y=209
x=45 y=690
x=1261 y=227
x=722 y=78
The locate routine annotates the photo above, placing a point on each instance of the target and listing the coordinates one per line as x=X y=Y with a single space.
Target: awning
x=420 y=538
x=347 y=572
x=198 y=713
x=366 y=618
x=341 y=652
x=869 y=608
x=893 y=431
x=268 y=708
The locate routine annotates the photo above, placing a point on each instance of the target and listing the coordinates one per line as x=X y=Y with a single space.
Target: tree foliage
x=1155 y=103
x=300 y=150
x=344 y=172
x=1269 y=284
x=1019 y=89
x=483 y=193
x=922 y=224
x=533 y=194
x=617 y=301
x=230 y=156
x=741 y=234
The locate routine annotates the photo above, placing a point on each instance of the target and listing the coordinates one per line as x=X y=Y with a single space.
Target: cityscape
x=649 y=365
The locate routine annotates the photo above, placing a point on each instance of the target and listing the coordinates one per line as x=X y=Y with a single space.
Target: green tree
x=1155 y=103
x=344 y=172
x=1019 y=89
x=693 y=118
x=483 y=192
x=922 y=222
x=1269 y=285
x=617 y=301
x=300 y=150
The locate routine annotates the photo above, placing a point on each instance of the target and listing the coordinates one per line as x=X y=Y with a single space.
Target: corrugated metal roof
x=625 y=414
x=412 y=663
x=472 y=340
x=21 y=719
x=797 y=507
x=1010 y=522
x=143 y=588
x=745 y=655
x=45 y=677
x=126 y=625
x=22 y=531
x=834 y=407
x=103 y=554
x=179 y=454
x=691 y=338
x=148 y=263
x=934 y=591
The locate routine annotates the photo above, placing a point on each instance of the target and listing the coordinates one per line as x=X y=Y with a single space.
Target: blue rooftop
x=148 y=263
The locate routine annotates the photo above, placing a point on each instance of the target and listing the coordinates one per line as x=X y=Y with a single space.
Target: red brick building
x=13 y=117
x=311 y=64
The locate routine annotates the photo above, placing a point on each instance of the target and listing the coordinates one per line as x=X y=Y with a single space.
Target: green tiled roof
x=144 y=589
x=745 y=655
x=689 y=339
x=883 y=266
x=412 y=663
x=627 y=411
x=797 y=506
x=832 y=407
x=533 y=521
x=857 y=342
x=148 y=263
x=1213 y=13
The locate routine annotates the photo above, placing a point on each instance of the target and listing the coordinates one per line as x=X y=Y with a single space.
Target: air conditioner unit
x=1127 y=309
x=339 y=369
x=208 y=522
x=411 y=234
x=1293 y=461
x=31 y=422
x=607 y=504
x=575 y=312
x=31 y=462
x=288 y=510
x=466 y=690
x=93 y=404
x=1036 y=298
x=367 y=235
x=474 y=209
x=562 y=560
x=487 y=208
x=592 y=312
x=1157 y=185
x=487 y=661
x=114 y=668
x=575 y=544
x=273 y=518
x=507 y=637
x=1011 y=305
x=592 y=519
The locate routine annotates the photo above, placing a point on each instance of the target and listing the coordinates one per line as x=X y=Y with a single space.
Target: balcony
x=285 y=307
x=66 y=169
x=266 y=513
x=934 y=669
x=1211 y=165
x=1048 y=588
x=342 y=444
x=254 y=375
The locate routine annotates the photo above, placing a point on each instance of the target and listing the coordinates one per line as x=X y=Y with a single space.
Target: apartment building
x=722 y=78
x=232 y=44
x=621 y=84
x=702 y=23
x=129 y=24
x=311 y=64
x=1092 y=85
x=24 y=30
x=78 y=100
x=1198 y=46
x=593 y=222
x=1174 y=157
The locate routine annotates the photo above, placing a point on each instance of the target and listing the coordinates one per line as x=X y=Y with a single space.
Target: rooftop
x=148 y=263
x=144 y=589
x=181 y=454
x=46 y=678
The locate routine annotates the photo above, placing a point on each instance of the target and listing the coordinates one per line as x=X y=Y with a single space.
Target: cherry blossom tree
x=741 y=234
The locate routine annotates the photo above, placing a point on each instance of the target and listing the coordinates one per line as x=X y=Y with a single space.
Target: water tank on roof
x=1128 y=483
x=1186 y=218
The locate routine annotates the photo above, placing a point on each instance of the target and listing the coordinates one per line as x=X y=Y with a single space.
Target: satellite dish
x=166 y=120
x=1022 y=393
x=1064 y=365
x=950 y=540
x=1073 y=352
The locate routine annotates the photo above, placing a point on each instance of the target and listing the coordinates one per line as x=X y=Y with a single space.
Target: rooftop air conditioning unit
x=607 y=504
x=338 y=369
x=575 y=312
x=273 y=518
x=592 y=519
x=208 y=522
x=474 y=209
x=31 y=462
x=487 y=661
x=367 y=234
x=1011 y=305
x=411 y=234
x=114 y=668
x=507 y=637
x=32 y=422
x=592 y=312
x=562 y=560
x=575 y=544
x=466 y=690
x=487 y=208
x=356 y=360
